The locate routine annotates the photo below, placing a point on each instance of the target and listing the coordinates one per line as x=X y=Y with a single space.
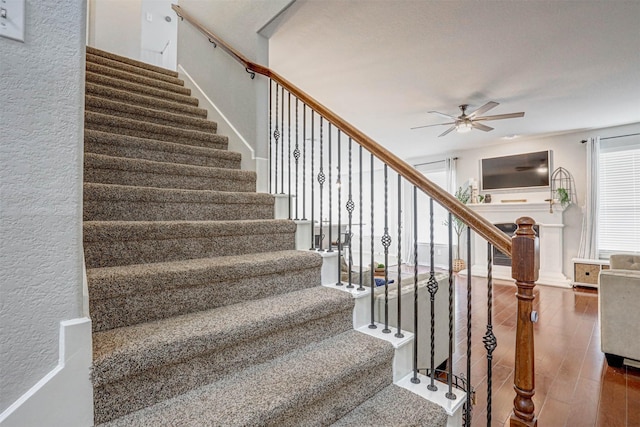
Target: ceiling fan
x=465 y=122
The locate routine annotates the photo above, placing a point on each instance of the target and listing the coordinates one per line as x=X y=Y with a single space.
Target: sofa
x=619 y=309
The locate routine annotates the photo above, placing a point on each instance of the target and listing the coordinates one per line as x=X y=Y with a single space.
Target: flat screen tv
x=529 y=170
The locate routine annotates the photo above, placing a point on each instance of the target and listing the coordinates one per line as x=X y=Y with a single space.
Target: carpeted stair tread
x=111 y=243
x=116 y=145
x=104 y=202
x=99 y=168
x=133 y=98
x=123 y=352
x=142 y=129
x=296 y=389
x=148 y=387
x=395 y=406
x=101 y=60
x=136 y=78
x=146 y=114
x=127 y=295
x=95 y=51
x=155 y=92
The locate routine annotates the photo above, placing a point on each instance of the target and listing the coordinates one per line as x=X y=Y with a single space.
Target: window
x=619 y=192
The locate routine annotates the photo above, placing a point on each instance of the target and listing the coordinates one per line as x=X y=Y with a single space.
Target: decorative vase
x=458 y=264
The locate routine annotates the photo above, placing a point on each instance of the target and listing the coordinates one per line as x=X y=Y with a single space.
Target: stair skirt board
x=202 y=310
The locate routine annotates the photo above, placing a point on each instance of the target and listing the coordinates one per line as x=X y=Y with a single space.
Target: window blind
x=619 y=191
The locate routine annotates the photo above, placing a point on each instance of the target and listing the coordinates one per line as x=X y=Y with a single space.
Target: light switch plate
x=12 y=14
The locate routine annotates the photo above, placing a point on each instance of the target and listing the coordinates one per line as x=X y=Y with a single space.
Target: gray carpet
x=203 y=313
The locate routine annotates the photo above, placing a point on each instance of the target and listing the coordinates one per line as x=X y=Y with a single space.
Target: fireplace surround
x=549 y=229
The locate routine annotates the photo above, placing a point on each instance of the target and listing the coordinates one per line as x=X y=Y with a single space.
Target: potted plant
x=563 y=197
x=458 y=227
x=379 y=268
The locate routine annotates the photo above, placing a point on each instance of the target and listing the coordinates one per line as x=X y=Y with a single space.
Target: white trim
x=65 y=395
x=215 y=107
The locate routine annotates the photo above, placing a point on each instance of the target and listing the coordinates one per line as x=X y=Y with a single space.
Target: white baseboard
x=63 y=397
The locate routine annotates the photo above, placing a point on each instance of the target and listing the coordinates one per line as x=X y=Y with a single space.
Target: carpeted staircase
x=203 y=313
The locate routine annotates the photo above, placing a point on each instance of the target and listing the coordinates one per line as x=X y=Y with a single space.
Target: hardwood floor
x=574 y=384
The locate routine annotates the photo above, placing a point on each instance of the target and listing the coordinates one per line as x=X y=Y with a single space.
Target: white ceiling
x=382 y=64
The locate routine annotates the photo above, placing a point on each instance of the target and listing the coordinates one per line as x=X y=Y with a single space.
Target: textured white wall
x=40 y=190
x=115 y=26
x=242 y=100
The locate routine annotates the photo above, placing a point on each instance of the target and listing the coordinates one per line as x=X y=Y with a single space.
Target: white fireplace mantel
x=550 y=224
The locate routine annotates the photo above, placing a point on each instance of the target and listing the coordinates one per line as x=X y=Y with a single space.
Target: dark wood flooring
x=574 y=384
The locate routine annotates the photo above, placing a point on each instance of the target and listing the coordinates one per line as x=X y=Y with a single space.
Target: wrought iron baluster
x=399 y=334
x=489 y=339
x=312 y=179
x=289 y=149
x=339 y=185
x=270 y=134
x=350 y=207
x=450 y=394
x=304 y=164
x=386 y=242
x=282 y=148
x=373 y=266
x=330 y=247
x=321 y=180
x=432 y=287
x=276 y=137
x=468 y=408
x=360 y=288
x=296 y=156
x=415 y=378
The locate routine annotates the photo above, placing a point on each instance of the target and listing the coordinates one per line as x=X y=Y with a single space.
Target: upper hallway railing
x=522 y=248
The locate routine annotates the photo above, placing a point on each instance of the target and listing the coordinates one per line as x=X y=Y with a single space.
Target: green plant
x=563 y=197
x=458 y=226
x=380 y=265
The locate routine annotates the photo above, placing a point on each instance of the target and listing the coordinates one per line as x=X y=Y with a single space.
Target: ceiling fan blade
x=501 y=116
x=442 y=114
x=437 y=124
x=447 y=131
x=481 y=110
x=480 y=126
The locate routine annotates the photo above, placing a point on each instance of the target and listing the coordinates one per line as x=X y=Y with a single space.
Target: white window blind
x=619 y=191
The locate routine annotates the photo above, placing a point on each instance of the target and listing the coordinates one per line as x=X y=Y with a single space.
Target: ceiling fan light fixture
x=464 y=127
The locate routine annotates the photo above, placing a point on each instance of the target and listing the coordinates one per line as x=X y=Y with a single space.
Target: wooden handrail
x=472 y=219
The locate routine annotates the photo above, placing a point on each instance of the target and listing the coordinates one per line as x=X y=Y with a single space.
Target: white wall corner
x=63 y=397
x=237 y=141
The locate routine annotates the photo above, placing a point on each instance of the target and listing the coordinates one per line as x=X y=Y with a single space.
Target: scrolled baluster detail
x=432 y=287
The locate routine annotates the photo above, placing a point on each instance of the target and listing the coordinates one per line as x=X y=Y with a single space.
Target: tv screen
x=517 y=171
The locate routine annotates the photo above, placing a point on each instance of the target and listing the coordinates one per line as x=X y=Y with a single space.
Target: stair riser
x=93 y=51
x=144 y=101
x=133 y=309
x=333 y=403
x=114 y=210
x=119 y=109
x=137 y=79
x=112 y=253
x=154 y=131
x=144 y=153
x=140 y=89
x=160 y=151
x=101 y=60
x=116 y=399
x=160 y=180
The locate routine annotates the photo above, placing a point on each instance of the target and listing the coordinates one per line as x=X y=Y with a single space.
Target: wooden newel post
x=525 y=258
